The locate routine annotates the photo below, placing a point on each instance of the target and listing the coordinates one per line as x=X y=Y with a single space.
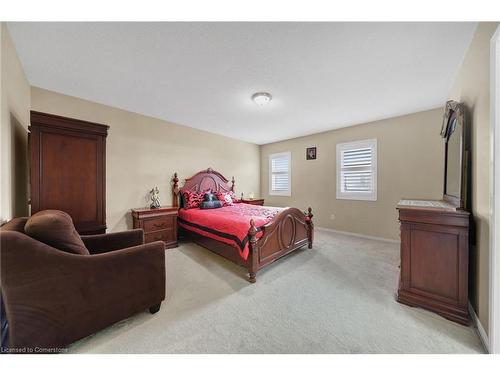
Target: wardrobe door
x=68 y=173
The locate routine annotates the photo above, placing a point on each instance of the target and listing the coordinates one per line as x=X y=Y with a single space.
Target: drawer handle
x=159 y=225
x=158 y=238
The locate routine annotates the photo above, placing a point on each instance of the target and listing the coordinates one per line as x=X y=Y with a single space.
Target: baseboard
x=479 y=328
x=358 y=235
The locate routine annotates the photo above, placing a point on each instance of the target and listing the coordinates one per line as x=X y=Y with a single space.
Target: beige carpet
x=335 y=298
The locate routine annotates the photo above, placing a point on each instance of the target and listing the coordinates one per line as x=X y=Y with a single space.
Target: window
x=357 y=170
x=280 y=174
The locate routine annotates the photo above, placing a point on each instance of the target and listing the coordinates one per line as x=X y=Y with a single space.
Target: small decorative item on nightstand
x=159 y=224
x=155 y=198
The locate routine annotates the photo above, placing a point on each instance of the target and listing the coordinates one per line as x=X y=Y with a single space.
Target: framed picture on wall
x=311 y=153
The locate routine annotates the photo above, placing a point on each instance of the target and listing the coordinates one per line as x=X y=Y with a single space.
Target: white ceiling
x=322 y=75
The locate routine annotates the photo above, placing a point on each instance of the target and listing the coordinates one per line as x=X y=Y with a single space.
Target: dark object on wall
x=53 y=298
x=435 y=237
x=287 y=231
x=159 y=224
x=311 y=153
x=68 y=169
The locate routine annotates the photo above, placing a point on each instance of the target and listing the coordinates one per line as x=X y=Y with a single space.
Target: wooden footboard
x=288 y=231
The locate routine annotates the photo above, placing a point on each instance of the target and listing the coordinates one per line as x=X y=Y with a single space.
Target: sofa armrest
x=53 y=298
x=102 y=243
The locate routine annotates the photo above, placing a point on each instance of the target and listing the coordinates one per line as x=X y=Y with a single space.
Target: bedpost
x=310 y=228
x=253 y=255
x=175 y=191
x=232 y=184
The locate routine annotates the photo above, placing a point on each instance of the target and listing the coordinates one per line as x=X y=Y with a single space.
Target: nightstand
x=256 y=202
x=159 y=224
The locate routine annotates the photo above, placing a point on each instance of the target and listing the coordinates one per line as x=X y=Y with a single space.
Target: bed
x=251 y=236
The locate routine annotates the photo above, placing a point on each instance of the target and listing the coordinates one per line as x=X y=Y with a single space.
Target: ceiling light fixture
x=261 y=98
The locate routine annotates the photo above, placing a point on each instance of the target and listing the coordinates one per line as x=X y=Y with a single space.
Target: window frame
x=285 y=193
x=360 y=196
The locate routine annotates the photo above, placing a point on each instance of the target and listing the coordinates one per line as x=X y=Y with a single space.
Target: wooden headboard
x=201 y=181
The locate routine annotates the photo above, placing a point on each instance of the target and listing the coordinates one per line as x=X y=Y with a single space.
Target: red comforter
x=229 y=224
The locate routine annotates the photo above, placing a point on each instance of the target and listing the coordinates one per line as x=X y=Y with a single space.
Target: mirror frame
x=455 y=110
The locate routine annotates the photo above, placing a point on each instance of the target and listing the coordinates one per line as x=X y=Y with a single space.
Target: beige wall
x=410 y=165
x=143 y=152
x=15 y=104
x=472 y=87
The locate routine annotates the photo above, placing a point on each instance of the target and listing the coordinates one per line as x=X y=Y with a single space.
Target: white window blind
x=280 y=174
x=357 y=170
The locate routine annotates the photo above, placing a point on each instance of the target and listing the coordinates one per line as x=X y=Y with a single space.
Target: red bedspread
x=229 y=224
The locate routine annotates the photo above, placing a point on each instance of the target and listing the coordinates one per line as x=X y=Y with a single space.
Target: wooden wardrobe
x=68 y=169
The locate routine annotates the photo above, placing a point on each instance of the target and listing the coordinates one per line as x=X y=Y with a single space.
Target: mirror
x=456 y=155
x=454 y=159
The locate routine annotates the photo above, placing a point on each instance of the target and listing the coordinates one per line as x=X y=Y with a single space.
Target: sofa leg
x=155 y=308
x=252 y=277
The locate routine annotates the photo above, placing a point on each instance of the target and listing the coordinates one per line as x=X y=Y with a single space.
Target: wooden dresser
x=68 y=169
x=435 y=233
x=159 y=224
x=435 y=260
x=256 y=202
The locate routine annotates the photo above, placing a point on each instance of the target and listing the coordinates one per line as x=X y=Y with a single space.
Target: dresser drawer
x=159 y=223
x=167 y=235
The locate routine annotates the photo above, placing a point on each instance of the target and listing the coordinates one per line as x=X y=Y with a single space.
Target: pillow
x=55 y=228
x=227 y=197
x=182 y=200
x=210 y=204
x=209 y=196
x=192 y=199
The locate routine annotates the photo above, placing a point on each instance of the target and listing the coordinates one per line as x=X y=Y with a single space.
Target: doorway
x=494 y=313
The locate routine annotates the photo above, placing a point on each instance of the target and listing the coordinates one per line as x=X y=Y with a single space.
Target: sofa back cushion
x=17 y=224
x=55 y=228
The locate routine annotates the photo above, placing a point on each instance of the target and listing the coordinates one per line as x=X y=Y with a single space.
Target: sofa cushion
x=55 y=228
x=17 y=224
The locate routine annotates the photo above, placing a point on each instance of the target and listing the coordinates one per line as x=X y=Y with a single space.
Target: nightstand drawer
x=167 y=235
x=159 y=223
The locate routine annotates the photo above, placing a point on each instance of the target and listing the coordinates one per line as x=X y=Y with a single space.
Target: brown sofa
x=55 y=295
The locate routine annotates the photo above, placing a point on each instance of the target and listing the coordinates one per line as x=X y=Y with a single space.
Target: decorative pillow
x=228 y=198
x=192 y=199
x=209 y=196
x=182 y=200
x=210 y=204
x=55 y=228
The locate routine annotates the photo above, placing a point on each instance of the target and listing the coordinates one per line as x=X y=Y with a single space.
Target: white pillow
x=228 y=199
